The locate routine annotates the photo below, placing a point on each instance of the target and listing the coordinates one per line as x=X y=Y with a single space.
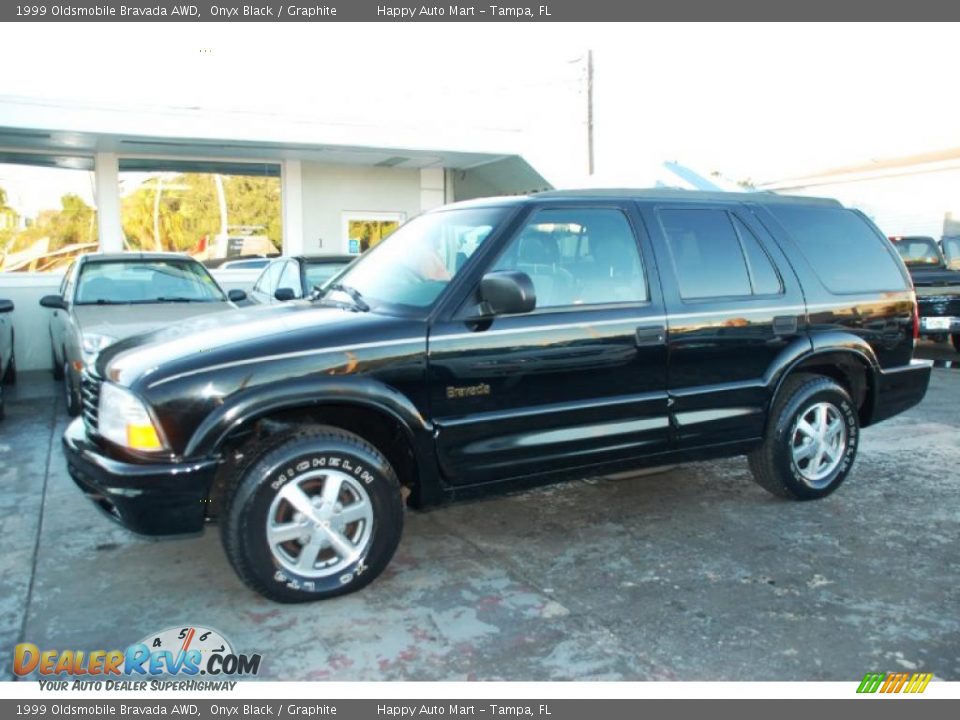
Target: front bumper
x=150 y=499
x=900 y=389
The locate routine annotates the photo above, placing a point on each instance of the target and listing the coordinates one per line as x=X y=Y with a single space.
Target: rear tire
x=811 y=439
x=317 y=513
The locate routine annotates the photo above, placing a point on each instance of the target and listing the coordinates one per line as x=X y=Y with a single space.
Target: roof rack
x=761 y=198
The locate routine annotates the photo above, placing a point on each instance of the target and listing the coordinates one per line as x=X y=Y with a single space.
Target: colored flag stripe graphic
x=894 y=682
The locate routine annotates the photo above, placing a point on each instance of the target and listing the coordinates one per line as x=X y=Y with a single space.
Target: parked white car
x=107 y=297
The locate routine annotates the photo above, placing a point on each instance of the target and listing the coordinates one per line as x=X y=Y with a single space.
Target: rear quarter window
x=843 y=250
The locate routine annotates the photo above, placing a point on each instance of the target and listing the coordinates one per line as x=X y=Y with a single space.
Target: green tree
x=189 y=209
x=74 y=222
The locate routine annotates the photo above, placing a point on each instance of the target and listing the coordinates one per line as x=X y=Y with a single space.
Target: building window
x=48 y=215
x=365 y=230
x=210 y=210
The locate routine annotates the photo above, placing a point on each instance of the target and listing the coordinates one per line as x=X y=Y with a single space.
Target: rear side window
x=762 y=274
x=842 y=249
x=716 y=255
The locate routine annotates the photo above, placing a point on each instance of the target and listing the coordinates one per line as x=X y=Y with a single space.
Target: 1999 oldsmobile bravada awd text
x=499 y=343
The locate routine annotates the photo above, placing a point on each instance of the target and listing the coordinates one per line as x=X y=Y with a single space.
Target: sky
x=753 y=102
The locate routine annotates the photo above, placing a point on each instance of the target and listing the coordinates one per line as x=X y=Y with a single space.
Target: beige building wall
x=331 y=191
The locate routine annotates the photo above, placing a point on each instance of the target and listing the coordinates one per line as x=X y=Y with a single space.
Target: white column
x=291 y=200
x=448 y=184
x=432 y=188
x=106 y=169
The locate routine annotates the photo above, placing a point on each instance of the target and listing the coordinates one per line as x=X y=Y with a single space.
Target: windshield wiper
x=350 y=292
x=174 y=299
x=101 y=301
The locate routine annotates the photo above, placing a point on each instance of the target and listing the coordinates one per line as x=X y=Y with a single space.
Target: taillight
x=916 y=320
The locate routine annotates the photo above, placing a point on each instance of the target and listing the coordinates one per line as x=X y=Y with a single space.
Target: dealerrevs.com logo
x=175 y=652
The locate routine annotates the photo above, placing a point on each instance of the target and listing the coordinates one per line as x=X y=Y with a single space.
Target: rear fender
x=848 y=358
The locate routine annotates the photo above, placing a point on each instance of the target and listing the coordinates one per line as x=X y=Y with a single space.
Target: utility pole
x=590 y=112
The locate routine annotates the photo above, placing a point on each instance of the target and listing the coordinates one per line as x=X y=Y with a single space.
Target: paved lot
x=693 y=573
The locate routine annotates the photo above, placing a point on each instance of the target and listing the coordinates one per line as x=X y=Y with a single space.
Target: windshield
x=319 y=273
x=146 y=281
x=918 y=251
x=414 y=265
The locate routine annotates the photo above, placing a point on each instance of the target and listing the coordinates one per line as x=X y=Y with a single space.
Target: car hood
x=254 y=332
x=122 y=321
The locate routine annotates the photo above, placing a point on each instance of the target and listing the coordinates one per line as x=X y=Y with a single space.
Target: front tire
x=10 y=374
x=57 y=367
x=317 y=514
x=811 y=440
x=71 y=395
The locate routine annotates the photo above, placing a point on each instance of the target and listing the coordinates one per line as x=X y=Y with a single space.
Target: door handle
x=651 y=336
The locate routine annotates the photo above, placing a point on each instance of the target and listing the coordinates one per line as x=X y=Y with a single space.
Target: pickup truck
x=937 y=286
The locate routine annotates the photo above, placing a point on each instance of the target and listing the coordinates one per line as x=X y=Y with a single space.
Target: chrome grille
x=90 y=395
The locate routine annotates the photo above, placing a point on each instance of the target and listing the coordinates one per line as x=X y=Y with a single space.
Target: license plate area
x=935 y=323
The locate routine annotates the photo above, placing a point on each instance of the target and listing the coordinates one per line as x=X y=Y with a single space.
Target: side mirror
x=54 y=302
x=507 y=292
x=6 y=306
x=283 y=294
x=236 y=296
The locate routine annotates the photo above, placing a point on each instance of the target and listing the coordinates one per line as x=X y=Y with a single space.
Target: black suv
x=497 y=344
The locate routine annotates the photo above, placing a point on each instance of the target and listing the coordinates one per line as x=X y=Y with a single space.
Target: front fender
x=248 y=405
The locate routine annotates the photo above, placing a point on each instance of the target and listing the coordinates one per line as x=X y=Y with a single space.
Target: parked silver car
x=105 y=298
x=291 y=278
x=8 y=359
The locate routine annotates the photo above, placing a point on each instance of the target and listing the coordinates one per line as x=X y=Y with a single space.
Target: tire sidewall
x=267 y=477
x=821 y=391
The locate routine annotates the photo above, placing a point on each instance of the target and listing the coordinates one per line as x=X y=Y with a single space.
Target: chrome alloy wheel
x=320 y=523
x=818 y=442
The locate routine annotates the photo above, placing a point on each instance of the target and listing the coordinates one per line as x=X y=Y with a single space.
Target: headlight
x=92 y=343
x=124 y=419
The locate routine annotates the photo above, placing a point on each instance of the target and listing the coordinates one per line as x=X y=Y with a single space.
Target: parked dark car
x=937 y=286
x=106 y=297
x=296 y=277
x=8 y=357
x=504 y=343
